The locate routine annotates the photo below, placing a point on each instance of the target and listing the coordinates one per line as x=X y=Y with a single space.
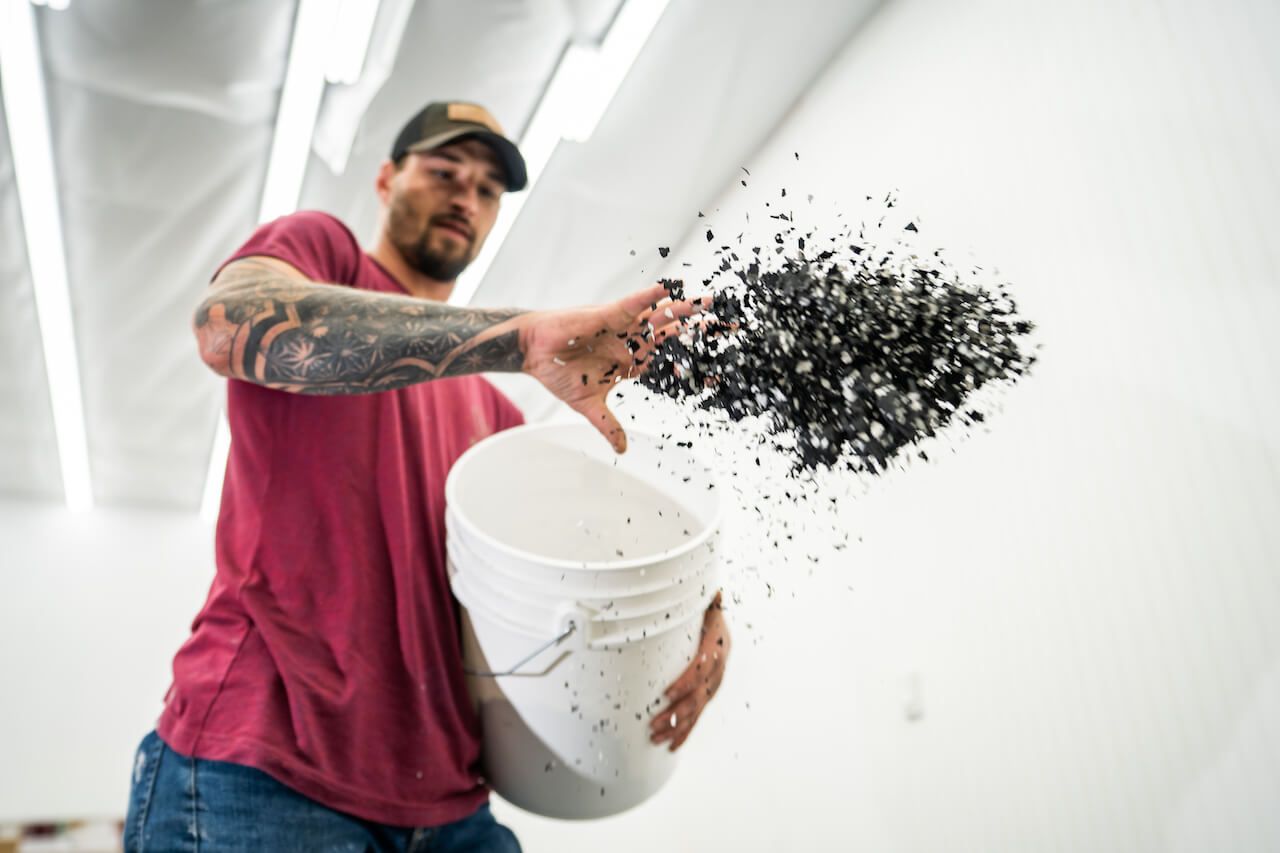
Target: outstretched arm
x=264 y=322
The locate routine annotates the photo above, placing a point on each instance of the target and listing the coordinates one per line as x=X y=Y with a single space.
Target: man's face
x=441 y=205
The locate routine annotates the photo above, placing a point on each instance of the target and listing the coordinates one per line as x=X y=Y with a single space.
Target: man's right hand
x=580 y=353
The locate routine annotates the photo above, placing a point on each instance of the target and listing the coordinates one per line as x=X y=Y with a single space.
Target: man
x=320 y=702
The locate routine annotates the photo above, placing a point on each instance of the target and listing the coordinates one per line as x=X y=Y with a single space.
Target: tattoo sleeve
x=265 y=327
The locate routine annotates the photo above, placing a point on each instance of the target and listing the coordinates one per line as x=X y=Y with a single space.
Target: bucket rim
x=610 y=638
x=460 y=551
x=618 y=608
x=471 y=529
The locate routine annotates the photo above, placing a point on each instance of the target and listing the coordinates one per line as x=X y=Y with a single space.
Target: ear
x=382 y=184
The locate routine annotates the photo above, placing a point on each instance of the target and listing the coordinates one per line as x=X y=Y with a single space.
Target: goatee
x=415 y=245
x=435 y=265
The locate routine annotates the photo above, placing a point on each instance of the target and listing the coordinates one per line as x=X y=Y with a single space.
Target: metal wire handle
x=555 y=641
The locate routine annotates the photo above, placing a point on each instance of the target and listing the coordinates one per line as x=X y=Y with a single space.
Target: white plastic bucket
x=536 y=517
x=526 y=603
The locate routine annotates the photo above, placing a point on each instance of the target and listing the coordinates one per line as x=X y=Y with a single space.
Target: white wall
x=1087 y=593
x=93 y=607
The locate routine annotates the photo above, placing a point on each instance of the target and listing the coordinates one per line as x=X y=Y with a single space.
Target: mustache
x=453 y=222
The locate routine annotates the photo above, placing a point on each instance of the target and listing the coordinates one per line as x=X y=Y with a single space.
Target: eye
x=442 y=174
x=488 y=192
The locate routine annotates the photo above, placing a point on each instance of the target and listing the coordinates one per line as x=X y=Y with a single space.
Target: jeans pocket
x=142 y=784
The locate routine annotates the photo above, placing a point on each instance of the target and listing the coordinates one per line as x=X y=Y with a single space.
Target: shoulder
x=318 y=222
x=318 y=244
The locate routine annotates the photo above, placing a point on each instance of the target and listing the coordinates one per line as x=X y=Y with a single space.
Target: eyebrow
x=493 y=174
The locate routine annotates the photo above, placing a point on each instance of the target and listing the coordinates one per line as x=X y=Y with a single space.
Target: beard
x=413 y=240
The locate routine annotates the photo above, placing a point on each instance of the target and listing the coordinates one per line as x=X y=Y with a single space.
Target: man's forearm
x=312 y=338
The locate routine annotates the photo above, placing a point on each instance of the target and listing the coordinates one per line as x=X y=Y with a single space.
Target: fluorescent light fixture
x=583 y=85
x=22 y=81
x=344 y=107
x=299 y=104
x=349 y=40
x=609 y=65
x=304 y=82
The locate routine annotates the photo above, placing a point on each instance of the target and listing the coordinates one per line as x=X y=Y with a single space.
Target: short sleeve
x=317 y=244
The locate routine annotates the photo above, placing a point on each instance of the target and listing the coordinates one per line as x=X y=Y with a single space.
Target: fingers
x=707 y=667
x=654 y=306
x=666 y=310
x=597 y=413
x=661 y=333
x=674 y=724
x=696 y=673
x=683 y=735
x=690 y=324
x=699 y=674
x=688 y=696
x=641 y=300
x=674 y=719
x=650 y=316
x=605 y=345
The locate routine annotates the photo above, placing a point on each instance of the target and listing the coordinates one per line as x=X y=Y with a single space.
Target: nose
x=465 y=198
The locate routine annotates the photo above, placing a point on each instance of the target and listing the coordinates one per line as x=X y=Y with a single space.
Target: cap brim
x=508 y=154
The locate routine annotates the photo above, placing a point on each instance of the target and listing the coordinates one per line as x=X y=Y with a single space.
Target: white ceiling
x=162 y=116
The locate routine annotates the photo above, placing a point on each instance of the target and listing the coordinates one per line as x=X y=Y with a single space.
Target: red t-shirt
x=328 y=651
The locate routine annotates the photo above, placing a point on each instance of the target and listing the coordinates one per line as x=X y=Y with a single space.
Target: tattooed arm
x=264 y=322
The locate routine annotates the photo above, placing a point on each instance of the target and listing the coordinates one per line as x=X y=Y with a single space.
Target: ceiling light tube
x=22 y=81
x=349 y=40
x=299 y=104
x=581 y=89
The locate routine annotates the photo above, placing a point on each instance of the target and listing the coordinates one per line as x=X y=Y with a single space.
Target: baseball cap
x=441 y=122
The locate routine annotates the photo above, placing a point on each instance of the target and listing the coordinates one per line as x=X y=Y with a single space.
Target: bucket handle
x=554 y=641
x=568 y=619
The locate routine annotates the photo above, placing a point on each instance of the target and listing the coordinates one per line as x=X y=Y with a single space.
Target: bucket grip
x=554 y=641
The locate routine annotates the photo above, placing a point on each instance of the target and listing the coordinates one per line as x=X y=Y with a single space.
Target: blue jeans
x=179 y=803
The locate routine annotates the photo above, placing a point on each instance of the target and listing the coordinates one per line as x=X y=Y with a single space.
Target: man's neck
x=410 y=279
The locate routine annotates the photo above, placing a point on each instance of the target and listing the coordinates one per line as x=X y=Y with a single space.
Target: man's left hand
x=691 y=692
